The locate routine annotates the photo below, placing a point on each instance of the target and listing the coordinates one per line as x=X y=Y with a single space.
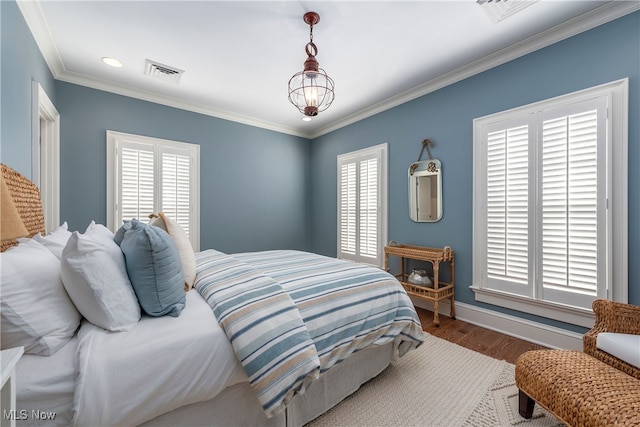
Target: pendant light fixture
x=311 y=90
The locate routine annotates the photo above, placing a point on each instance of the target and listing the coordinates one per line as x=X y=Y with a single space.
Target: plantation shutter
x=369 y=208
x=359 y=219
x=148 y=175
x=176 y=188
x=570 y=185
x=348 y=209
x=360 y=200
x=137 y=182
x=546 y=204
x=550 y=198
x=147 y=189
x=508 y=208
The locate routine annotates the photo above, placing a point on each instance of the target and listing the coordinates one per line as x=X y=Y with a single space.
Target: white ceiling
x=239 y=55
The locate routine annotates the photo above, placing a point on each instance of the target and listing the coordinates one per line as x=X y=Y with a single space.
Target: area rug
x=439 y=384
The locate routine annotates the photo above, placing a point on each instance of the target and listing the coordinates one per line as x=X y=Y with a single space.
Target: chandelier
x=311 y=90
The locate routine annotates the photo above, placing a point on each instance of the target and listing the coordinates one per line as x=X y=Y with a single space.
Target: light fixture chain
x=311 y=90
x=311 y=49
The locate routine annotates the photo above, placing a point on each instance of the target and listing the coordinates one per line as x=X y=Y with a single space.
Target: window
x=550 y=204
x=362 y=205
x=147 y=175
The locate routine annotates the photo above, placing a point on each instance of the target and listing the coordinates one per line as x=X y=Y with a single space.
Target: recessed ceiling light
x=111 y=61
x=306 y=119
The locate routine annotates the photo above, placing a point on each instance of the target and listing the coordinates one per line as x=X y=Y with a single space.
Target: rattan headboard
x=25 y=196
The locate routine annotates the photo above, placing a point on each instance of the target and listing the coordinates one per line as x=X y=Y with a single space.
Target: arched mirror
x=425 y=191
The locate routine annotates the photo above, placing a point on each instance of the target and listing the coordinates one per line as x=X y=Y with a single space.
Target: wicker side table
x=441 y=290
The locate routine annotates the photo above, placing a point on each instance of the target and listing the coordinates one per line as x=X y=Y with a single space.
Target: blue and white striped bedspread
x=292 y=315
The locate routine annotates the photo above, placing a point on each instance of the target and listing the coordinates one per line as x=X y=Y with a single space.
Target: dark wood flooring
x=482 y=340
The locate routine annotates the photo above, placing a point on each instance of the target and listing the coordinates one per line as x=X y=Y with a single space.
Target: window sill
x=559 y=312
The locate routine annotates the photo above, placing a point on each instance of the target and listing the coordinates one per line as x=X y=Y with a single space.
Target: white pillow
x=56 y=240
x=623 y=346
x=35 y=309
x=95 y=276
x=183 y=244
x=98 y=230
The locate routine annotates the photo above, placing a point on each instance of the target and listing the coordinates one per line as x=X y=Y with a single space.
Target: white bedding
x=131 y=384
x=46 y=384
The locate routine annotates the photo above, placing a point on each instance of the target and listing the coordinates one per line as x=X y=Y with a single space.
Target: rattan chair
x=613 y=317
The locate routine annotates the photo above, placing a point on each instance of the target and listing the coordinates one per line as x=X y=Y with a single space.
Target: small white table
x=8 y=360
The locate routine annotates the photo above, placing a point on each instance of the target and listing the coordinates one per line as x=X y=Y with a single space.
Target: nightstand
x=9 y=359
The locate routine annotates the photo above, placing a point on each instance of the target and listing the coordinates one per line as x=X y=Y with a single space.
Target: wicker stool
x=577 y=388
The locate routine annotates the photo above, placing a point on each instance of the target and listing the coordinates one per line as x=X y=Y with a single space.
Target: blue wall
x=21 y=64
x=606 y=53
x=252 y=181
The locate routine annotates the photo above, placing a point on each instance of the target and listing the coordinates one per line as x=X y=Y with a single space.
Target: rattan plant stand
x=441 y=290
x=578 y=389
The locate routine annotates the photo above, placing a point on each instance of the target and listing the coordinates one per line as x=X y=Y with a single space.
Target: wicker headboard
x=20 y=199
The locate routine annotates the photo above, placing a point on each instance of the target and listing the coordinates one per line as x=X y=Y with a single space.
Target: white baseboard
x=538 y=333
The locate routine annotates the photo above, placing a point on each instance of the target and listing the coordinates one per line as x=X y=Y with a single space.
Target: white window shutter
x=176 y=188
x=570 y=233
x=507 y=207
x=362 y=205
x=577 y=198
x=137 y=183
x=368 y=213
x=147 y=175
x=348 y=208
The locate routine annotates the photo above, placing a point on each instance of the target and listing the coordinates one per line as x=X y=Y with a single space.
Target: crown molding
x=34 y=17
x=605 y=13
x=124 y=90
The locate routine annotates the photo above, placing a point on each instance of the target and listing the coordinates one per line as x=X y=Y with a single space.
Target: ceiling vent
x=498 y=10
x=163 y=72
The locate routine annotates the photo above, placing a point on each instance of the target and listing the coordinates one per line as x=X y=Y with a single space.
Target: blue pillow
x=154 y=268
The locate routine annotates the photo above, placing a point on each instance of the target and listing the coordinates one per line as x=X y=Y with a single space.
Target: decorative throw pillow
x=154 y=268
x=56 y=240
x=183 y=245
x=35 y=309
x=95 y=276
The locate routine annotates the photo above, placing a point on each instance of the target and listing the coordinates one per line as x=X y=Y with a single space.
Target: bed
x=272 y=338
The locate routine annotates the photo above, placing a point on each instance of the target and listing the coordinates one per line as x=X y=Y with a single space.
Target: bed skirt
x=238 y=405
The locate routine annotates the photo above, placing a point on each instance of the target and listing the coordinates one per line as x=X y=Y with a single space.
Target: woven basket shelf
x=440 y=290
x=443 y=292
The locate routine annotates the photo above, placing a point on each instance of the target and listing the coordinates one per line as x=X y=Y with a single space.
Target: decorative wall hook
x=426 y=143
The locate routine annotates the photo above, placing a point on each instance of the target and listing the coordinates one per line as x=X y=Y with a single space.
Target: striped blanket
x=292 y=315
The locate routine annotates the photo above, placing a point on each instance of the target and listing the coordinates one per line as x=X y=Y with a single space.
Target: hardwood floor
x=485 y=341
